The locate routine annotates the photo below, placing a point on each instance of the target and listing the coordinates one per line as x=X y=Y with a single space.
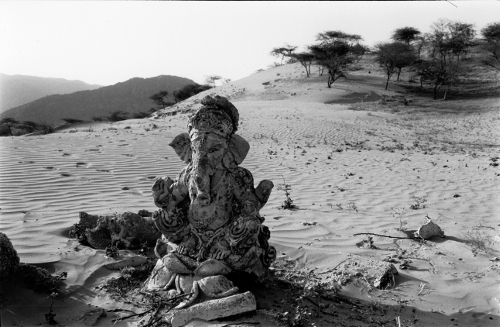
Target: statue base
x=213 y=309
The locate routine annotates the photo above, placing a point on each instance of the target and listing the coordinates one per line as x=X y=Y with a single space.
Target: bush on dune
x=189 y=91
x=117 y=116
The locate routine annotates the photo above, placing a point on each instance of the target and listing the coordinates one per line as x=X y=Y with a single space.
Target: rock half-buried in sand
x=127 y=230
x=377 y=273
x=429 y=230
x=213 y=309
x=9 y=260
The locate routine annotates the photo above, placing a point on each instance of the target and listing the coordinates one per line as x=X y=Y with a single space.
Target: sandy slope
x=331 y=156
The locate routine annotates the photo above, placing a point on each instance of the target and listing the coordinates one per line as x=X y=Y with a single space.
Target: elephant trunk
x=202 y=172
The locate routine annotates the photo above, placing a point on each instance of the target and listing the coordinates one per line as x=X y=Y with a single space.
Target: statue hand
x=220 y=251
x=161 y=191
x=263 y=191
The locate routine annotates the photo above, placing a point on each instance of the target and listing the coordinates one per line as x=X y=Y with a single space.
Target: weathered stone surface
x=213 y=309
x=378 y=273
x=159 y=278
x=91 y=317
x=211 y=212
x=128 y=230
x=429 y=230
x=9 y=260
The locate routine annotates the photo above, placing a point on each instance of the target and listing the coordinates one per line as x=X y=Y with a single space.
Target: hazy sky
x=110 y=42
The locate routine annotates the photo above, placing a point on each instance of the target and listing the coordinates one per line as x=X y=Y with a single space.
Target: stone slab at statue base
x=213 y=309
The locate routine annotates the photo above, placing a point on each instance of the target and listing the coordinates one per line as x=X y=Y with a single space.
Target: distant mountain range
x=131 y=96
x=16 y=90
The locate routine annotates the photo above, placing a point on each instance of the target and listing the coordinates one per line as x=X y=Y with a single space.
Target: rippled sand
x=344 y=181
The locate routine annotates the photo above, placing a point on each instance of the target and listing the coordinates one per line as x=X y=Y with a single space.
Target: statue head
x=217 y=116
x=211 y=143
x=212 y=130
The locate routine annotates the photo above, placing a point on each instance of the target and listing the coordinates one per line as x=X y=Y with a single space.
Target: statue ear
x=239 y=147
x=182 y=146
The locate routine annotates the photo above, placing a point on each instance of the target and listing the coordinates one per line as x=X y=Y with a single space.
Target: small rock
x=377 y=273
x=9 y=260
x=429 y=230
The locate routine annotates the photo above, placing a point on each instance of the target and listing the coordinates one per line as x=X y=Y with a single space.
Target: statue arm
x=245 y=193
x=168 y=193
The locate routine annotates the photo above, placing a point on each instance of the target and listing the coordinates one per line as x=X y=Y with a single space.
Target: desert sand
x=350 y=172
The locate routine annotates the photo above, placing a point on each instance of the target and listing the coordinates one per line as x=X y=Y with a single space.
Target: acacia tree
x=491 y=34
x=394 y=56
x=338 y=36
x=283 y=52
x=441 y=66
x=405 y=34
x=160 y=99
x=335 y=52
x=305 y=59
x=358 y=51
x=447 y=42
x=454 y=38
x=334 y=57
x=419 y=44
x=189 y=90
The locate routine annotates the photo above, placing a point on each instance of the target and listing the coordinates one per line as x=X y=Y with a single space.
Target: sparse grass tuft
x=288 y=203
x=477 y=240
x=351 y=206
x=45 y=128
x=399 y=213
x=419 y=202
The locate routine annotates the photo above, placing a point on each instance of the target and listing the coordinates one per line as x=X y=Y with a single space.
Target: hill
x=17 y=90
x=130 y=96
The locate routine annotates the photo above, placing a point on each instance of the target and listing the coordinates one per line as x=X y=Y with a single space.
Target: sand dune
x=349 y=170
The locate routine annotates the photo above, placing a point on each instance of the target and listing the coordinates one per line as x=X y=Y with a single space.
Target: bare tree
x=394 y=56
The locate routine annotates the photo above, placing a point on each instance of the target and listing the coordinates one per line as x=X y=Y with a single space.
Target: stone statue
x=210 y=214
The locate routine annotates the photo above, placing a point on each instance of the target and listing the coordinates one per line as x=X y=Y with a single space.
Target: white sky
x=109 y=42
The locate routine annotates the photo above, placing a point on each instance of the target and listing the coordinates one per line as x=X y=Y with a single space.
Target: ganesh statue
x=209 y=217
